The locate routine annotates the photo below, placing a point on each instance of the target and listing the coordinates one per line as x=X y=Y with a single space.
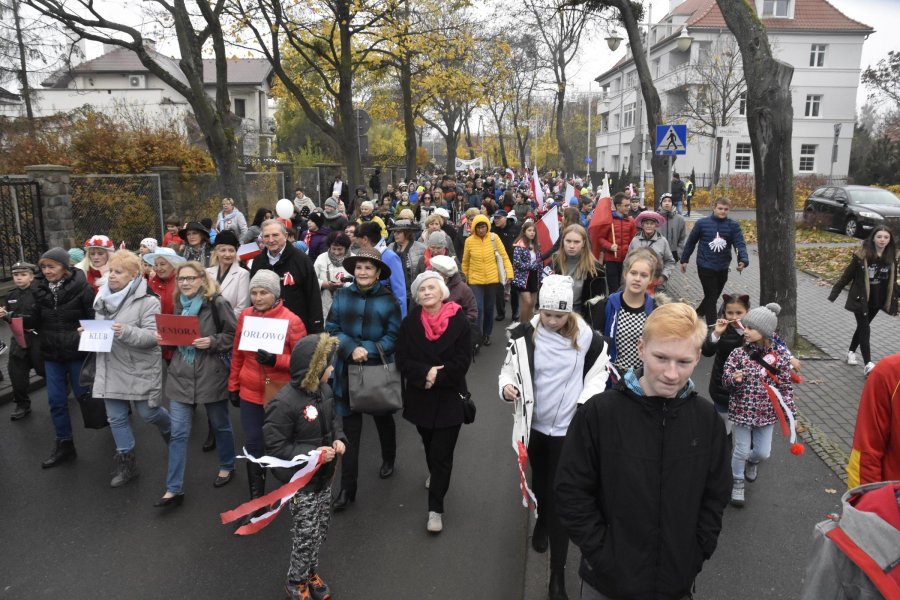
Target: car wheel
x=851 y=227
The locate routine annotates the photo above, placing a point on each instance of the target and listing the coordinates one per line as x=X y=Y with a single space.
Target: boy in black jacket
x=20 y=303
x=301 y=418
x=645 y=471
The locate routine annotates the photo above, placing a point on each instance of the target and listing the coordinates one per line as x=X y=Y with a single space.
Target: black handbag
x=375 y=389
x=468 y=408
x=93 y=410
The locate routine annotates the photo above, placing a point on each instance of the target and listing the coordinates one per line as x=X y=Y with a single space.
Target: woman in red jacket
x=615 y=241
x=256 y=376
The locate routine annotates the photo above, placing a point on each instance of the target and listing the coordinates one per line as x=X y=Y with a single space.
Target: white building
x=118 y=80
x=823 y=45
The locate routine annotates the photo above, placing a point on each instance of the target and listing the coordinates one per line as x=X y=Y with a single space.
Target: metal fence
x=21 y=228
x=127 y=208
x=263 y=190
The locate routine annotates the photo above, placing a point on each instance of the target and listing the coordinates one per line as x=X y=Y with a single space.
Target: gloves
x=234 y=398
x=265 y=358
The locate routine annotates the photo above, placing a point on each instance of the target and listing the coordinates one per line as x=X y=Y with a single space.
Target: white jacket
x=235 y=287
x=517 y=371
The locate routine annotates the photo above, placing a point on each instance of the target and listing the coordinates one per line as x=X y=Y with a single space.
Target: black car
x=852 y=209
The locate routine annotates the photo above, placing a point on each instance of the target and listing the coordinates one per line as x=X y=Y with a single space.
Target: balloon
x=284 y=208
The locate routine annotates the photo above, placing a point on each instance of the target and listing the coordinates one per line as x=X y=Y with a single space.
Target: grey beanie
x=57 y=254
x=425 y=276
x=437 y=238
x=763 y=319
x=268 y=280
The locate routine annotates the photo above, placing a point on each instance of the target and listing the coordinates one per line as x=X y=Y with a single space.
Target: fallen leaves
x=830 y=491
x=802 y=235
x=827 y=263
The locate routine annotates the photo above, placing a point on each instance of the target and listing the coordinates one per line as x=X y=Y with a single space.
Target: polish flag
x=570 y=193
x=538 y=193
x=510 y=174
x=248 y=251
x=548 y=229
x=601 y=222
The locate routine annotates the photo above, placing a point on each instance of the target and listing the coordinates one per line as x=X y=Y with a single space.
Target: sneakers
x=751 y=471
x=298 y=592
x=737 y=493
x=318 y=589
x=851 y=358
x=21 y=411
x=435 y=522
x=868 y=369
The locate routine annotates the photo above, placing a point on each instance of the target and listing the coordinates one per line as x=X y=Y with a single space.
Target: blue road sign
x=588 y=160
x=671 y=139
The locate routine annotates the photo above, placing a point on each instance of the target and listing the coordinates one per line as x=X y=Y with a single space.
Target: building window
x=656 y=67
x=617 y=85
x=240 y=107
x=742 y=155
x=813 y=105
x=817 y=55
x=742 y=104
x=615 y=122
x=807 y=158
x=604 y=123
x=628 y=116
x=775 y=8
x=629 y=80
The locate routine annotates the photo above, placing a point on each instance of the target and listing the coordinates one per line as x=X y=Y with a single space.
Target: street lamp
x=613 y=41
x=683 y=43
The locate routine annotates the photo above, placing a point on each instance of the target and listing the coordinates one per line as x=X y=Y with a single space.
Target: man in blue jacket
x=715 y=236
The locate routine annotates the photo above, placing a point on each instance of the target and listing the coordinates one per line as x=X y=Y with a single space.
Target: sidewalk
x=828 y=400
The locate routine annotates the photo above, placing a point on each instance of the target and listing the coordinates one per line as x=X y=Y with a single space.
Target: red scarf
x=428 y=256
x=435 y=325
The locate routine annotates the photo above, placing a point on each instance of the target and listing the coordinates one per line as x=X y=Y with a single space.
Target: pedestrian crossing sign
x=671 y=139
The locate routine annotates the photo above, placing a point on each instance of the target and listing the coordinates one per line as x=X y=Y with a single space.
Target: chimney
x=78 y=52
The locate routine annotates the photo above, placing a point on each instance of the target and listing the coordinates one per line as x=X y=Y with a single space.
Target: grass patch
x=804 y=349
x=802 y=235
x=827 y=263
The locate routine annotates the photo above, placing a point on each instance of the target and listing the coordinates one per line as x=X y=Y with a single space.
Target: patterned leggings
x=310 y=516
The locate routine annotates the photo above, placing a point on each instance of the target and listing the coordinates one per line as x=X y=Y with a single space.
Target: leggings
x=712 y=282
x=863 y=333
x=543 y=454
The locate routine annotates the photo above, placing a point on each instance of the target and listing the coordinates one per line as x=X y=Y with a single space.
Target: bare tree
x=194 y=32
x=884 y=78
x=561 y=27
x=770 y=121
x=524 y=68
x=711 y=94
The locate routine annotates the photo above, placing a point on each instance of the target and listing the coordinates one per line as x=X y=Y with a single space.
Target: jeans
x=760 y=438
x=58 y=374
x=863 y=333
x=182 y=416
x=712 y=282
x=252 y=417
x=485 y=294
x=117 y=416
x=439 y=445
x=387 y=435
x=543 y=454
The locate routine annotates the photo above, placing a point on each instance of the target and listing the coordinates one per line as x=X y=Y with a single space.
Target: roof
x=809 y=15
x=240 y=70
x=5 y=94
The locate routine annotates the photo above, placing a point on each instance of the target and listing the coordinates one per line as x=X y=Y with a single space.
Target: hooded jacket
x=479 y=264
x=301 y=417
x=659 y=245
x=674 y=231
x=641 y=486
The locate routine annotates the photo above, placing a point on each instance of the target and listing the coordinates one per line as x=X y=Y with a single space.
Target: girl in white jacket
x=553 y=363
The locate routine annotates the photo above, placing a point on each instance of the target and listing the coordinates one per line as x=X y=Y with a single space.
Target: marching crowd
x=388 y=296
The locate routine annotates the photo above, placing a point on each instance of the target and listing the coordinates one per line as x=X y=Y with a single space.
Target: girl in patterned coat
x=527 y=269
x=755 y=375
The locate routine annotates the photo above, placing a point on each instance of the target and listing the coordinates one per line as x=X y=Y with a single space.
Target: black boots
x=558 y=583
x=256 y=481
x=344 y=498
x=125 y=469
x=210 y=444
x=63 y=450
x=387 y=469
x=540 y=538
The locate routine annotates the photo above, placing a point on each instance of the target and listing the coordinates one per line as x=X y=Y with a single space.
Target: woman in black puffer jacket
x=63 y=298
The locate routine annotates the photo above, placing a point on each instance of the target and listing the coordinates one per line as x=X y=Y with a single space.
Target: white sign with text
x=96 y=337
x=263 y=334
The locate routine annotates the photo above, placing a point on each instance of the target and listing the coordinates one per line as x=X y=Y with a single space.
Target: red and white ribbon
x=274 y=501
x=528 y=499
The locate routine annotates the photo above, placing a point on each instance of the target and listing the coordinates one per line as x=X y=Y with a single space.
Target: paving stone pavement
x=828 y=400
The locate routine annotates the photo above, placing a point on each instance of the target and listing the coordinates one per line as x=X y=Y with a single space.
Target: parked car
x=853 y=210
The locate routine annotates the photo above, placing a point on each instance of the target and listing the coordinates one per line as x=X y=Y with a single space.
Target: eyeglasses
x=187 y=278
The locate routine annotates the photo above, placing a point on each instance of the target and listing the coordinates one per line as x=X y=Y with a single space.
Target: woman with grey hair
x=367 y=213
x=231 y=218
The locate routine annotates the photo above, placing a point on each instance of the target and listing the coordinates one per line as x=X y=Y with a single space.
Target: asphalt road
x=65 y=533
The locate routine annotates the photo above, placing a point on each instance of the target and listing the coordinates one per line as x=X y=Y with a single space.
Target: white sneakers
x=868 y=369
x=435 y=522
x=851 y=358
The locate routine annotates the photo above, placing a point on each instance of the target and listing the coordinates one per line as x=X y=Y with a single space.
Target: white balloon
x=284 y=208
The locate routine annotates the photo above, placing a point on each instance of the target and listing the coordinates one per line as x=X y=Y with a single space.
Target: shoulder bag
x=375 y=389
x=501 y=268
x=225 y=357
x=468 y=408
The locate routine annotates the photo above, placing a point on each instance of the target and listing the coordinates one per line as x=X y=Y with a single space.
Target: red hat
x=100 y=241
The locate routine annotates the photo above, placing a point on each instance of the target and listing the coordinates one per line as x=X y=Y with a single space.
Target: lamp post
x=682 y=43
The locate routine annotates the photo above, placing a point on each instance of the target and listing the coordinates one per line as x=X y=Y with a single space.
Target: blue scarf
x=190 y=307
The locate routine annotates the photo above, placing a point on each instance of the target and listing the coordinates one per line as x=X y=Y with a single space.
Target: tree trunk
x=468 y=139
x=769 y=119
x=503 y=161
x=349 y=138
x=452 y=140
x=717 y=170
x=23 y=67
x=409 y=118
x=565 y=150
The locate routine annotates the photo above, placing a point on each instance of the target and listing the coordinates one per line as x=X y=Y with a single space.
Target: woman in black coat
x=433 y=354
x=872 y=275
x=63 y=297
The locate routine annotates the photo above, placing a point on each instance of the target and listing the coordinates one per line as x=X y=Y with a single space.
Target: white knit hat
x=150 y=244
x=445 y=265
x=557 y=293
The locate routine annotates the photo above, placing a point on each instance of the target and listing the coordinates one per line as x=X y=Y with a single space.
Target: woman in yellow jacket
x=479 y=265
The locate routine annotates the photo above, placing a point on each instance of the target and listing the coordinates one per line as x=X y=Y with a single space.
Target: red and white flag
x=288 y=279
x=548 y=228
x=510 y=174
x=538 y=191
x=249 y=251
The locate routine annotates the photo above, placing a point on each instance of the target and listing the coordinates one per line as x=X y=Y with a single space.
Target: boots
x=63 y=450
x=558 y=583
x=256 y=481
x=125 y=469
x=344 y=498
x=210 y=444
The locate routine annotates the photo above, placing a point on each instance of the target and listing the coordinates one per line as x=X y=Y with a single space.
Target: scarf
x=436 y=324
x=336 y=261
x=108 y=302
x=190 y=307
x=198 y=254
x=428 y=256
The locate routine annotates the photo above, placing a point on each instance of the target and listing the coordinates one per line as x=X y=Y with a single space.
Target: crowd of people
x=598 y=361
